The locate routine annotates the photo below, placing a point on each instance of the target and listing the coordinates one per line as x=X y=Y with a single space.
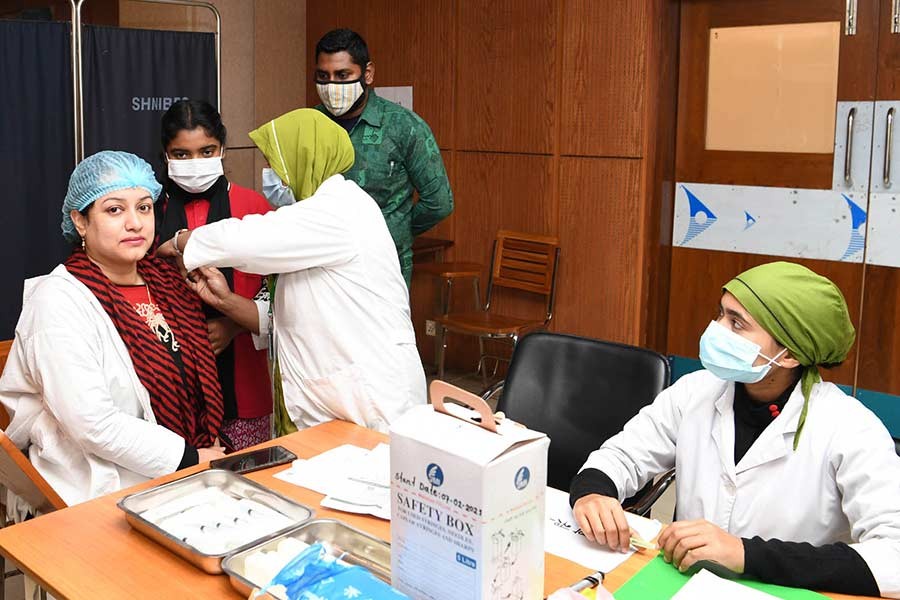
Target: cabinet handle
x=850 y=15
x=888 y=143
x=895 y=16
x=848 y=151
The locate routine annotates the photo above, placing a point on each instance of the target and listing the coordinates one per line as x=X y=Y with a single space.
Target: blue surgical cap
x=100 y=174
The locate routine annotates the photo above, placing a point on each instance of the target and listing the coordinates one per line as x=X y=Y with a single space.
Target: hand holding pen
x=602 y=520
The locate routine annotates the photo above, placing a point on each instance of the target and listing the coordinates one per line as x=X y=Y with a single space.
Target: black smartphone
x=255 y=460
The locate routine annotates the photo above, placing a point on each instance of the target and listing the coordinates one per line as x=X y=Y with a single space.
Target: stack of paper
x=353 y=479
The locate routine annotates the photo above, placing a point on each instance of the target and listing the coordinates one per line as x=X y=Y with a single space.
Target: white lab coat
x=343 y=333
x=841 y=484
x=74 y=398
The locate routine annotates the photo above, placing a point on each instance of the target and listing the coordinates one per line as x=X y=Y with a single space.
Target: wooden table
x=424 y=245
x=89 y=551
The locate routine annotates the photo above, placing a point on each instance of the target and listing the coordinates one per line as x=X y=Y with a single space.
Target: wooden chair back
x=525 y=261
x=20 y=476
x=5 y=346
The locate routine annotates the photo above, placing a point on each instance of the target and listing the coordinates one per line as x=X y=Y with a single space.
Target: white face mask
x=196 y=175
x=339 y=97
x=275 y=191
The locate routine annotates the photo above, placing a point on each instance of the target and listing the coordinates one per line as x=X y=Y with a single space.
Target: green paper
x=660 y=580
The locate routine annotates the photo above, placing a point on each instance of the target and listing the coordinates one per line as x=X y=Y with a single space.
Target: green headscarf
x=805 y=312
x=305 y=148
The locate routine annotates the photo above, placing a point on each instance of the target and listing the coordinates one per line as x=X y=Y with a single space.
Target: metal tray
x=230 y=483
x=352 y=545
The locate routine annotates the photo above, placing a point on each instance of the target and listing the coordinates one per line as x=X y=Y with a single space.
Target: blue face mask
x=730 y=356
x=275 y=191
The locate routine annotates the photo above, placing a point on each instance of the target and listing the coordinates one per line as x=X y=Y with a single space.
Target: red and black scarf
x=189 y=405
x=170 y=218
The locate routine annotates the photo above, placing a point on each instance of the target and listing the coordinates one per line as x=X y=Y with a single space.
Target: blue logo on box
x=434 y=474
x=465 y=560
x=523 y=476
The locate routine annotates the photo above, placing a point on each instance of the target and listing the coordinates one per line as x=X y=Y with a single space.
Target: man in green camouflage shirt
x=396 y=153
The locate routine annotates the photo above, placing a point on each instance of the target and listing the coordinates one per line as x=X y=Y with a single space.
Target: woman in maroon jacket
x=197 y=192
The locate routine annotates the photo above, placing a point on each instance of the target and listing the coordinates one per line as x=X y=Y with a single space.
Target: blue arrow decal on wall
x=697 y=225
x=749 y=221
x=857 y=220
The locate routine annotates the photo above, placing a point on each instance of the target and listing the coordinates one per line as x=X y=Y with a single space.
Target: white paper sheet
x=563 y=537
x=381 y=509
x=401 y=94
x=322 y=472
x=353 y=479
x=375 y=468
x=705 y=585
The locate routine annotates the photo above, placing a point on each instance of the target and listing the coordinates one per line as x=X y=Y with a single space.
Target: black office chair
x=581 y=392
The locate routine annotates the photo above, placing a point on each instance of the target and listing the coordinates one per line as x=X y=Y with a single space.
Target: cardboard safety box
x=467 y=502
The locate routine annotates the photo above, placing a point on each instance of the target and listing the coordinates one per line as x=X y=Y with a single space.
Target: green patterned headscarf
x=305 y=148
x=805 y=312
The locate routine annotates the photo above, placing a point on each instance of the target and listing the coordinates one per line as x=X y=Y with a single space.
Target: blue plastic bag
x=316 y=575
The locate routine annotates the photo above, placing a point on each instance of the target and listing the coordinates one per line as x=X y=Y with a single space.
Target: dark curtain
x=36 y=155
x=132 y=76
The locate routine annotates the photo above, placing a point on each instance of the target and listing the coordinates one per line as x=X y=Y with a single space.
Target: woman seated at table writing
x=111 y=379
x=780 y=476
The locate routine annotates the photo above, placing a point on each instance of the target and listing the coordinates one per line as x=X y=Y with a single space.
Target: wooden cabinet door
x=775 y=112
x=878 y=376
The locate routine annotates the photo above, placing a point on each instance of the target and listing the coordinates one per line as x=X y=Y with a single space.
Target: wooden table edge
x=614 y=579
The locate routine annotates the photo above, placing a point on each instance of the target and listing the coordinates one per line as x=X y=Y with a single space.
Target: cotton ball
x=291 y=547
x=260 y=567
x=255 y=568
x=279 y=591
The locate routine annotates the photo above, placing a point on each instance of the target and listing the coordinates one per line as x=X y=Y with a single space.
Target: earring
x=82 y=245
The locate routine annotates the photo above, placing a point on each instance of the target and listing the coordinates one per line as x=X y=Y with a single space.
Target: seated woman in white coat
x=111 y=379
x=781 y=476
x=340 y=317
